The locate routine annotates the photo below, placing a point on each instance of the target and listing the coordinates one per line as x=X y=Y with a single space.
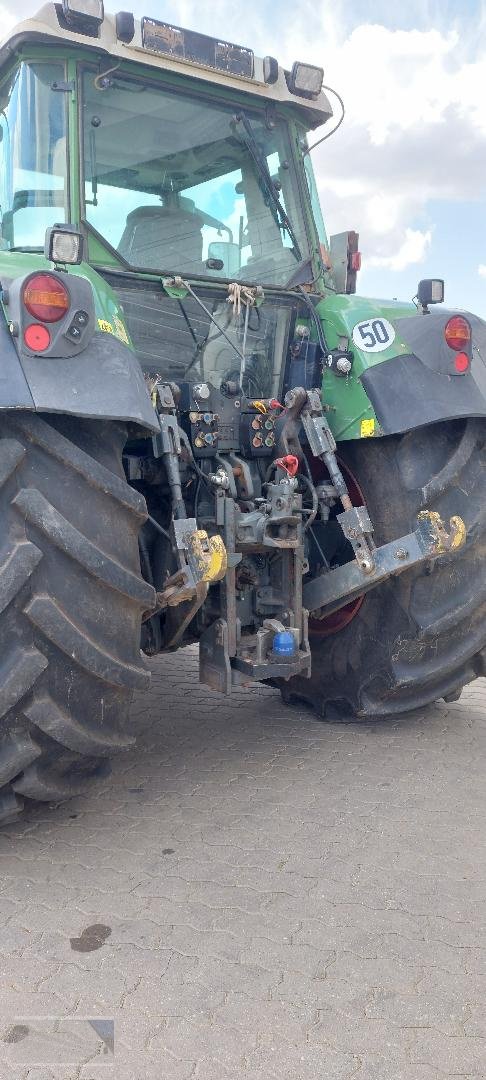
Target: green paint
x=346 y=397
x=177 y=292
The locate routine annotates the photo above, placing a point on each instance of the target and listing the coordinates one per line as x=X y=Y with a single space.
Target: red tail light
x=457 y=333
x=46 y=298
x=37 y=337
x=461 y=363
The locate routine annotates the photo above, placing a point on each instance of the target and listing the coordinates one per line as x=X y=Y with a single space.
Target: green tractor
x=205 y=435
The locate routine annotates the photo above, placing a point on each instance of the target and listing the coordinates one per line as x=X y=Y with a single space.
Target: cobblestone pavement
x=254 y=894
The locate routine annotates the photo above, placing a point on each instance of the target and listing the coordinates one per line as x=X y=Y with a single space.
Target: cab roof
x=48 y=26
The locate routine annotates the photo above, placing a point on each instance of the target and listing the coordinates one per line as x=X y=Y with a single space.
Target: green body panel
x=345 y=398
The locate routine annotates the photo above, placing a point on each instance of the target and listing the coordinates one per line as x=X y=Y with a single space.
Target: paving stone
x=285 y=899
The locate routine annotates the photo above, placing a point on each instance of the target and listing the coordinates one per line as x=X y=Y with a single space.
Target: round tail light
x=46 y=298
x=461 y=363
x=37 y=337
x=457 y=333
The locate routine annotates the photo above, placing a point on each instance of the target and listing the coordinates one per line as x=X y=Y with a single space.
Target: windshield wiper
x=282 y=218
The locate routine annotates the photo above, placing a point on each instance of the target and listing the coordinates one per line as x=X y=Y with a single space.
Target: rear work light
x=64 y=244
x=457 y=333
x=46 y=298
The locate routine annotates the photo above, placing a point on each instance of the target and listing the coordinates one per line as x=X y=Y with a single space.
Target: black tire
x=421 y=636
x=71 y=598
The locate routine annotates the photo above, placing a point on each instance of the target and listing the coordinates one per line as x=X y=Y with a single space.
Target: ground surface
x=257 y=895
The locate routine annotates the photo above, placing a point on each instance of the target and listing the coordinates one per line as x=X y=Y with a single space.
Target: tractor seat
x=163 y=238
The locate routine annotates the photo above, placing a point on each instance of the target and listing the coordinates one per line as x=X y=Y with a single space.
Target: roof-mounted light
x=270 y=70
x=305 y=80
x=125 y=26
x=83 y=16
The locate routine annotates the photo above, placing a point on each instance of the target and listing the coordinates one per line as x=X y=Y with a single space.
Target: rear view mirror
x=228 y=255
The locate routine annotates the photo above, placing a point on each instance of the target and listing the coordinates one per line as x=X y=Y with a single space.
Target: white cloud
x=412 y=250
x=7 y=20
x=482 y=269
x=415 y=131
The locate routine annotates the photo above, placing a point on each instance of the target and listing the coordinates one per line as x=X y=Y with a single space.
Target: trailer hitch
x=430 y=540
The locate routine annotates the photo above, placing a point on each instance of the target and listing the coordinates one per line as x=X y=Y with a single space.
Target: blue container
x=283 y=644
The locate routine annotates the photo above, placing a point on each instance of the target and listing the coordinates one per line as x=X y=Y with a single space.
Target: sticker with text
x=374 y=335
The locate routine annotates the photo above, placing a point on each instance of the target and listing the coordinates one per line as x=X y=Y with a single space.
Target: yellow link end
x=219 y=560
x=209 y=556
x=441 y=540
x=458 y=532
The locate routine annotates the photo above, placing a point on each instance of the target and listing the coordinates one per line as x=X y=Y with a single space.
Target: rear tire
x=71 y=599
x=421 y=636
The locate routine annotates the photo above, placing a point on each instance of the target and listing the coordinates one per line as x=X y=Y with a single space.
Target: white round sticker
x=374 y=335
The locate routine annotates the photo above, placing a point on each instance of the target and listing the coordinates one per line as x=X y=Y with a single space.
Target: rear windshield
x=172 y=184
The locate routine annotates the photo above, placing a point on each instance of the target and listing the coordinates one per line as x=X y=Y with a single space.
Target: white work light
x=306 y=80
x=64 y=244
x=430 y=291
x=84 y=16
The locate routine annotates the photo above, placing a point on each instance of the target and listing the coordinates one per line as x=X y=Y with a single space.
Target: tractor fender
x=102 y=382
x=419 y=387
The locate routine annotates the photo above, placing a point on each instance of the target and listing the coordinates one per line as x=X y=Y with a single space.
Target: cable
x=178 y=280
x=336 y=126
x=192 y=462
x=315 y=501
x=316 y=320
x=97 y=82
x=318 y=546
x=158 y=527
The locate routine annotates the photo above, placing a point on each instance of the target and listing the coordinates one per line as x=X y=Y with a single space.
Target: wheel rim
x=338 y=620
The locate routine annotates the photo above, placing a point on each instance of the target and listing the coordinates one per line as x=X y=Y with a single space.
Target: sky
x=407 y=168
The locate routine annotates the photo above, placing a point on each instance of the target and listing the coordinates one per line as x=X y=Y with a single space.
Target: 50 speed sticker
x=374 y=335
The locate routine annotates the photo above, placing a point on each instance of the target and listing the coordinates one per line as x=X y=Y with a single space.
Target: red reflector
x=356 y=260
x=46 y=298
x=461 y=362
x=37 y=337
x=457 y=333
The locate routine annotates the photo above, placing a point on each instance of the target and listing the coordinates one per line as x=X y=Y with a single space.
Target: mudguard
x=100 y=379
x=407 y=383
x=420 y=387
x=104 y=382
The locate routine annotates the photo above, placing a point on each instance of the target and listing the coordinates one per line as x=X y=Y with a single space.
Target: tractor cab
x=174 y=153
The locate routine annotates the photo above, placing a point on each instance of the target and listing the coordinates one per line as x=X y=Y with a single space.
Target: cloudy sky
x=407 y=169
